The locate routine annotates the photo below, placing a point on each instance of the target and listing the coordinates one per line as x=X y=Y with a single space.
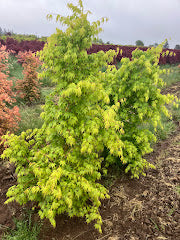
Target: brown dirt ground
x=144 y=209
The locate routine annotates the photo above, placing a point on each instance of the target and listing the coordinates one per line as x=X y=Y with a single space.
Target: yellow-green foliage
x=136 y=86
x=58 y=166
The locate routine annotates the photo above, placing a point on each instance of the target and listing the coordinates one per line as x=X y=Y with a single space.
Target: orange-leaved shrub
x=9 y=114
x=29 y=87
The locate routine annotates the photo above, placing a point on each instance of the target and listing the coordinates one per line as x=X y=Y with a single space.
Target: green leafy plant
x=58 y=166
x=136 y=85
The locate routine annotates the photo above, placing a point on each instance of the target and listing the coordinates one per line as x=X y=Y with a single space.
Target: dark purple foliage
x=35 y=45
x=127 y=52
x=12 y=44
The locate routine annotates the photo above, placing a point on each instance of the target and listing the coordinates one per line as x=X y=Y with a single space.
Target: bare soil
x=139 y=209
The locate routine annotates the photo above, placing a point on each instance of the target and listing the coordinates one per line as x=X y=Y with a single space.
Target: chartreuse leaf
x=138 y=84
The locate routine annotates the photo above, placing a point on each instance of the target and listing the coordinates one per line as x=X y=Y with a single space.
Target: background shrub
x=29 y=87
x=9 y=115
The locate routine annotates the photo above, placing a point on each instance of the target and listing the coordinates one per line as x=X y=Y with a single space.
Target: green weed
x=155 y=225
x=24 y=230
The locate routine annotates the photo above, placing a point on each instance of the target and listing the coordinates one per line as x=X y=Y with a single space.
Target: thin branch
x=104 y=236
x=80 y=234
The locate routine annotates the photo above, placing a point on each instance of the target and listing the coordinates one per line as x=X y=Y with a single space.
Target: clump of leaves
x=136 y=86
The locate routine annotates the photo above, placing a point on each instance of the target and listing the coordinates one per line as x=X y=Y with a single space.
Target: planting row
x=22 y=37
x=168 y=56
x=16 y=46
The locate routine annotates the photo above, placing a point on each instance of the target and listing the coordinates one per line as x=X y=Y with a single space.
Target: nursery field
x=89 y=137
x=145 y=208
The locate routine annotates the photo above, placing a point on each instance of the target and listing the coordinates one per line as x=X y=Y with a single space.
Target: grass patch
x=24 y=230
x=168 y=128
x=176 y=113
x=162 y=133
x=45 y=81
x=45 y=92
x=15 y=69
x=30 y=118
x=173 y=76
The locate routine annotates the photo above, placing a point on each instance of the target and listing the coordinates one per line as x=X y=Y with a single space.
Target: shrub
x=9 y=115
x=136 y=85
x=28 y=87
x=58 y=166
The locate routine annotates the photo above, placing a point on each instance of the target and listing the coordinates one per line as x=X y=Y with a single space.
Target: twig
x=3 y=226
x=104 y=236
x=80 y=234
